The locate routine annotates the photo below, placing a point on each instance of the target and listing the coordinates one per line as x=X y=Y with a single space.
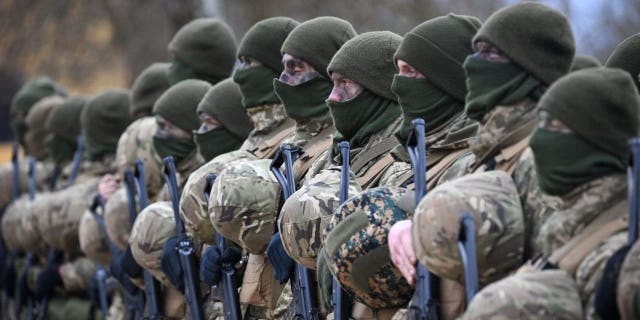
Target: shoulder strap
x=569 y=256
x=370 y=154
x=271 y=142
x=317 y=145
x=515 y=140
x=507 y=158
x=374 y=172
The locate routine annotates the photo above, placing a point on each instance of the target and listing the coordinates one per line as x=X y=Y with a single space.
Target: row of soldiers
x=517 y=137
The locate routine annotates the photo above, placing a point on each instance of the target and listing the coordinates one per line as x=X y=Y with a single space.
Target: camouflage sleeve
x=321 y=163
x=76 y=274
x=590 y=271
x=395 y=175
x=458 y=168
x=6 y=184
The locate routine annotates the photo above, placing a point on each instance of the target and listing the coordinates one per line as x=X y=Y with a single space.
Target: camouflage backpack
x=117 y=219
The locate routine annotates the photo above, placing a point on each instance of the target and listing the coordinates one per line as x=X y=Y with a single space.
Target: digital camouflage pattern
x=492 y=200
x=59 y=224
x=356 y=249
x=549 y=294
x=93 y=241
x=30 y=234
x=244 y=203
x=628 y=294
x=537 y=206
x=591 y=269
x=151 y=230
x=305 y=214
x=77 y=273
x=193 y=205
x=495 y=132
x=117 y=219
x=137 y=143
x=579 y=208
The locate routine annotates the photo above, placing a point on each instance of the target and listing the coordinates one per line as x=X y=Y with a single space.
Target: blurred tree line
x=93 y=45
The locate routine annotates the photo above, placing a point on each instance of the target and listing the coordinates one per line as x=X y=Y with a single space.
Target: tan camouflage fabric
x=151 y=230
x=137 y=143
x=496 y=131
x=117 y=219
x=244 y=204
x=77 y=273
x=628 y=294
x=93 y=241
x=304 y=216
x=193 y=205
x=492 y=200
x=549 y=294
x=356 y=249
x=35 y=121
x=60 y=223
x=30 y=235
x=43 y=172
x=306 y=130
x=12 y=221
x=265 y=119
x=537 y=206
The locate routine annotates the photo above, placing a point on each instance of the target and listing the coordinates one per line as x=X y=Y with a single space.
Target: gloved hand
x=23 y=289
x=282 y=264
x=129 y=265
x=605 y=301
x=212 y=261
x=325 y=282
x=170 y=262
x=47 y=280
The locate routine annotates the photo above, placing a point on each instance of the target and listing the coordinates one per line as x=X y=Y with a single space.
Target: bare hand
x=401 y=249
x=108 y=186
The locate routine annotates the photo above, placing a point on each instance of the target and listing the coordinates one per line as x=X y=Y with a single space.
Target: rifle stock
x=185 y=245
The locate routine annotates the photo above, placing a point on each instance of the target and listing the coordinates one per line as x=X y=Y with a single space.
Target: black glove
x=129 y=265
x=212 y=261
x=22 y=288
x=282 y=264
x=170 y=262
x=115 y=268
x=47 y=280
x=605 y=301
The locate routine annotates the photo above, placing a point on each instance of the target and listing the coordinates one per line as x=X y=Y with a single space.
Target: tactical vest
x=270 y=142
x=314 y=148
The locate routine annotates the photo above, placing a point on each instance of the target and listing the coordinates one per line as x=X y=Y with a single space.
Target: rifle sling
x=271 y=141
x=370 y=154
x=506 y=153
x=317 y=145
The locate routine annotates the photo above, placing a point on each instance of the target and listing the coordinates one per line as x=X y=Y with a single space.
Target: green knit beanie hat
x=148 y=87
x=105 y=117
x=599 y=104
x=178 y=105
x=626 y=57
x=581 y=61
x=32 y=91
x=65 y=119
x=223 y=101
x=368 y=60
x=263 y=41
x=437 y=48
x=206 y=45
x=316 y=41
x=537 y=38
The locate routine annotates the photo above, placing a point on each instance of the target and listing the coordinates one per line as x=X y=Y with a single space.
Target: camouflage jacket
x=579 y=208
x=451 y=140
x=328 y=159
x=44 y=169
x=502 y=128
x=271 y=127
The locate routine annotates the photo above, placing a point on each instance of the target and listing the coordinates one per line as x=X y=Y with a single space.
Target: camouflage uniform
x=628 y=295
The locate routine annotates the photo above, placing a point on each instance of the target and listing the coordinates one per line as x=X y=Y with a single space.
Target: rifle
x=185 y=245
x=22 y=278
x=55 y=254
x=135 y=183
x=303 y=285
x=340 y=299
x=101 y=273
x=467 y=247
x=633 y=175
x=423 y=305
x=230 y=299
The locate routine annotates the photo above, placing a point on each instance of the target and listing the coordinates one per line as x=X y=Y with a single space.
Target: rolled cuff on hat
x=263 y=41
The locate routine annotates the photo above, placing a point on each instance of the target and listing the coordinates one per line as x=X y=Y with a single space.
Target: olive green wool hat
x=263 y=41
x=316 y=41
x=65 y=119
x=105 y=117
x=368 y=60
x=178 y=105
x=148 y=87
x=437 y=48
x=537 y=38
x=625 y=57
x=601 y=98
x=223 y=101
x=206 y=45
x=581 y=61
x=32 y=91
